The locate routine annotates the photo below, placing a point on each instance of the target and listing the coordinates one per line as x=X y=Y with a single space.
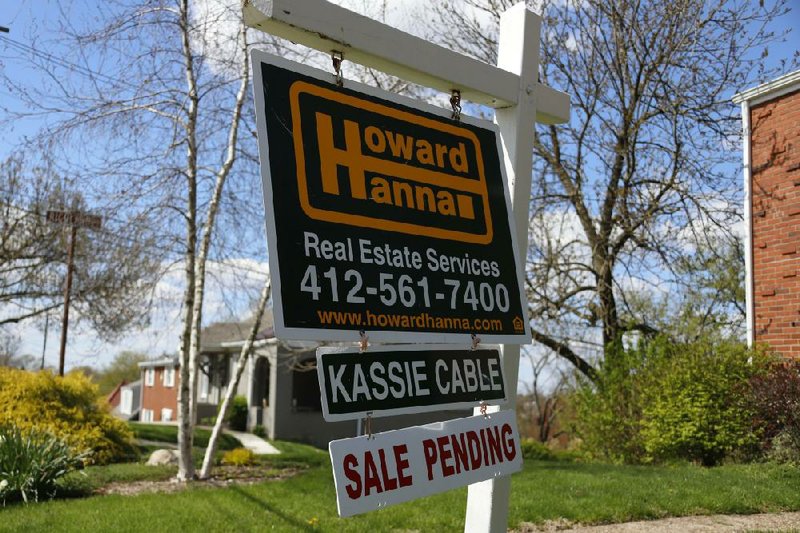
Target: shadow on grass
x=294 y=522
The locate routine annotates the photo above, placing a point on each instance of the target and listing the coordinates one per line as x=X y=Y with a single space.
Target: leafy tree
x=640 y=175
x=124 y=367
x=113 y=272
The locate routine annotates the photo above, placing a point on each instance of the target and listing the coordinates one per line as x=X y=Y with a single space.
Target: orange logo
x=519 y=325
x=365 y=164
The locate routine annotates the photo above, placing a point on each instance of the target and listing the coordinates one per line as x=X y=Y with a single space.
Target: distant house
x=159 y=390
x=771 y=124
x=279 y=382
x=125 y=400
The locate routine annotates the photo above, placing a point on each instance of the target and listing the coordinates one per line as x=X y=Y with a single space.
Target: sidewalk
x=254 y=443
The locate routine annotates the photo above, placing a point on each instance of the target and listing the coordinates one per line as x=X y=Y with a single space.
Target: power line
x=74 y=67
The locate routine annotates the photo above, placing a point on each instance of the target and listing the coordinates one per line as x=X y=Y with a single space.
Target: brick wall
x=775 y=174
x=159 y=396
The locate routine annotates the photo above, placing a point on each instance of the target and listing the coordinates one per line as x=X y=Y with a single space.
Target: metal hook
x=455 y=103
x=475 y=341
x=336 y=58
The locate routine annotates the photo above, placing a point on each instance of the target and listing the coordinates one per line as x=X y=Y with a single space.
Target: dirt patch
x=223 y=476
x=688 y=524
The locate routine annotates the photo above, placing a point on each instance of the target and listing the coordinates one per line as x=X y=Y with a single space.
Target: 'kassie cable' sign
x=398 y=466
x=383 y=215
x=394 y=380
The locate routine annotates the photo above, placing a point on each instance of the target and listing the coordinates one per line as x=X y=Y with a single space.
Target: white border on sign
x=337 y=417
x=412 y=438
x=324 y=334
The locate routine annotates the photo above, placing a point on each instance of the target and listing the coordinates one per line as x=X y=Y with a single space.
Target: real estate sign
x=383 y=214
x=398 y=466
x=393 y=380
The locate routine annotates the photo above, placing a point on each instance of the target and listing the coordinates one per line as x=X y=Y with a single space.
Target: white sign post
x=511 y=88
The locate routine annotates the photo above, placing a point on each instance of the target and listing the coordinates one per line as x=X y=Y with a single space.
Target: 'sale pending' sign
x=383 y=214
x=402 y=465
x=394 y=380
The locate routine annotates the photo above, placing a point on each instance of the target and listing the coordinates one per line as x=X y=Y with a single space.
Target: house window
x=166 y=415
x=149 y=377
x=147 y=415
x=169 y=377
x=305 y=388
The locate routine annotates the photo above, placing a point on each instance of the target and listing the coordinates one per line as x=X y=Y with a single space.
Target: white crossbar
x=327 y=27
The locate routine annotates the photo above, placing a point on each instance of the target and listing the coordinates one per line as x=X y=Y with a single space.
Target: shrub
x=608 y=411
x=697 y=403
x=31 y=462
x=776 y=405
x=664 y=401
x=67 y=408
x=238 y=457
x=260 y=431
x=533 y=449
x=237 y=417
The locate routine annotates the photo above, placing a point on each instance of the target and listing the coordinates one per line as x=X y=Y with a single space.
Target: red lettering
x=445 y=453
x=389 y=483
x=371 y=478
x=485 y=449
x=400 y=451
x=493 y=436
x=474 y=450
x=429 y=448
x=459 y=452
x=510 y=448
x=353 y=490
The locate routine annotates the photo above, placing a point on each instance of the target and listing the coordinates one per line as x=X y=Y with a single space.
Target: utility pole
x=74 y=219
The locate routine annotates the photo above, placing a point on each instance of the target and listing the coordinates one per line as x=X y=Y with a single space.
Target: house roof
x=772 y=89
x=222 y=335
x=164 y=361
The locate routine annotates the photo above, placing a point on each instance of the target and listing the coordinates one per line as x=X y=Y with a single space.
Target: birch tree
x=230 y=391
x=644 y=174
x=162 y=89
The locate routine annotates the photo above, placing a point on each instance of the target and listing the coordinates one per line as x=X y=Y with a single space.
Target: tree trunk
x=211 y=450
x=186 y=390
x=213 y=209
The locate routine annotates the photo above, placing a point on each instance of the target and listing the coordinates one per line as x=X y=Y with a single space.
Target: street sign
x=383 y=214
x=394 y=380
x=75 y=218
x=406 y=464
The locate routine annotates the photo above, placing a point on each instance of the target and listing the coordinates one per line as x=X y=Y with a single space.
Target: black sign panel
x=392 y=380
x=383 y=215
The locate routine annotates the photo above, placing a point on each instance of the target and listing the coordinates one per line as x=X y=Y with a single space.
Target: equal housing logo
x=366 y=164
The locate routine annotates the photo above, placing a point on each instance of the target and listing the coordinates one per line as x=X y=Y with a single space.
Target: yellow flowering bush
x=68 y=408
x=238 y=457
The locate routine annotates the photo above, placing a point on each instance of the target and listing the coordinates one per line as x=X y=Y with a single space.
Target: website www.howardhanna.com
x=426 y=321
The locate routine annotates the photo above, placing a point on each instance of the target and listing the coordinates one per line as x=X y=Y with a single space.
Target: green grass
x=589 y=493
x=169 y=433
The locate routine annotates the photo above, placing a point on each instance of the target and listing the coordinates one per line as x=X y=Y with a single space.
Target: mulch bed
x=222 y=476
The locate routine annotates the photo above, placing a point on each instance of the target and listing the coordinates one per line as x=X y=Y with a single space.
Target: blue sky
x=31 y=23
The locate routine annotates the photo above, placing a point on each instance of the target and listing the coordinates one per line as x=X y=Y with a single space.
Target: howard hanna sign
x=383 y=214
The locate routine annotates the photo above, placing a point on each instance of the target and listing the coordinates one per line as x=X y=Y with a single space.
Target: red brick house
x=159 y=390
x=771 y=126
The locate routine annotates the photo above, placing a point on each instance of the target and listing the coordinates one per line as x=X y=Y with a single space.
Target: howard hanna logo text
x=365 y=164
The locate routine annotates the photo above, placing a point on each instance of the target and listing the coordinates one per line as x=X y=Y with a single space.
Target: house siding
x=775 y=226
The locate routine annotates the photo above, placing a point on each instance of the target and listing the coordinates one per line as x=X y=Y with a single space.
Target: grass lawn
x=591 y=493
x=169 y=433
